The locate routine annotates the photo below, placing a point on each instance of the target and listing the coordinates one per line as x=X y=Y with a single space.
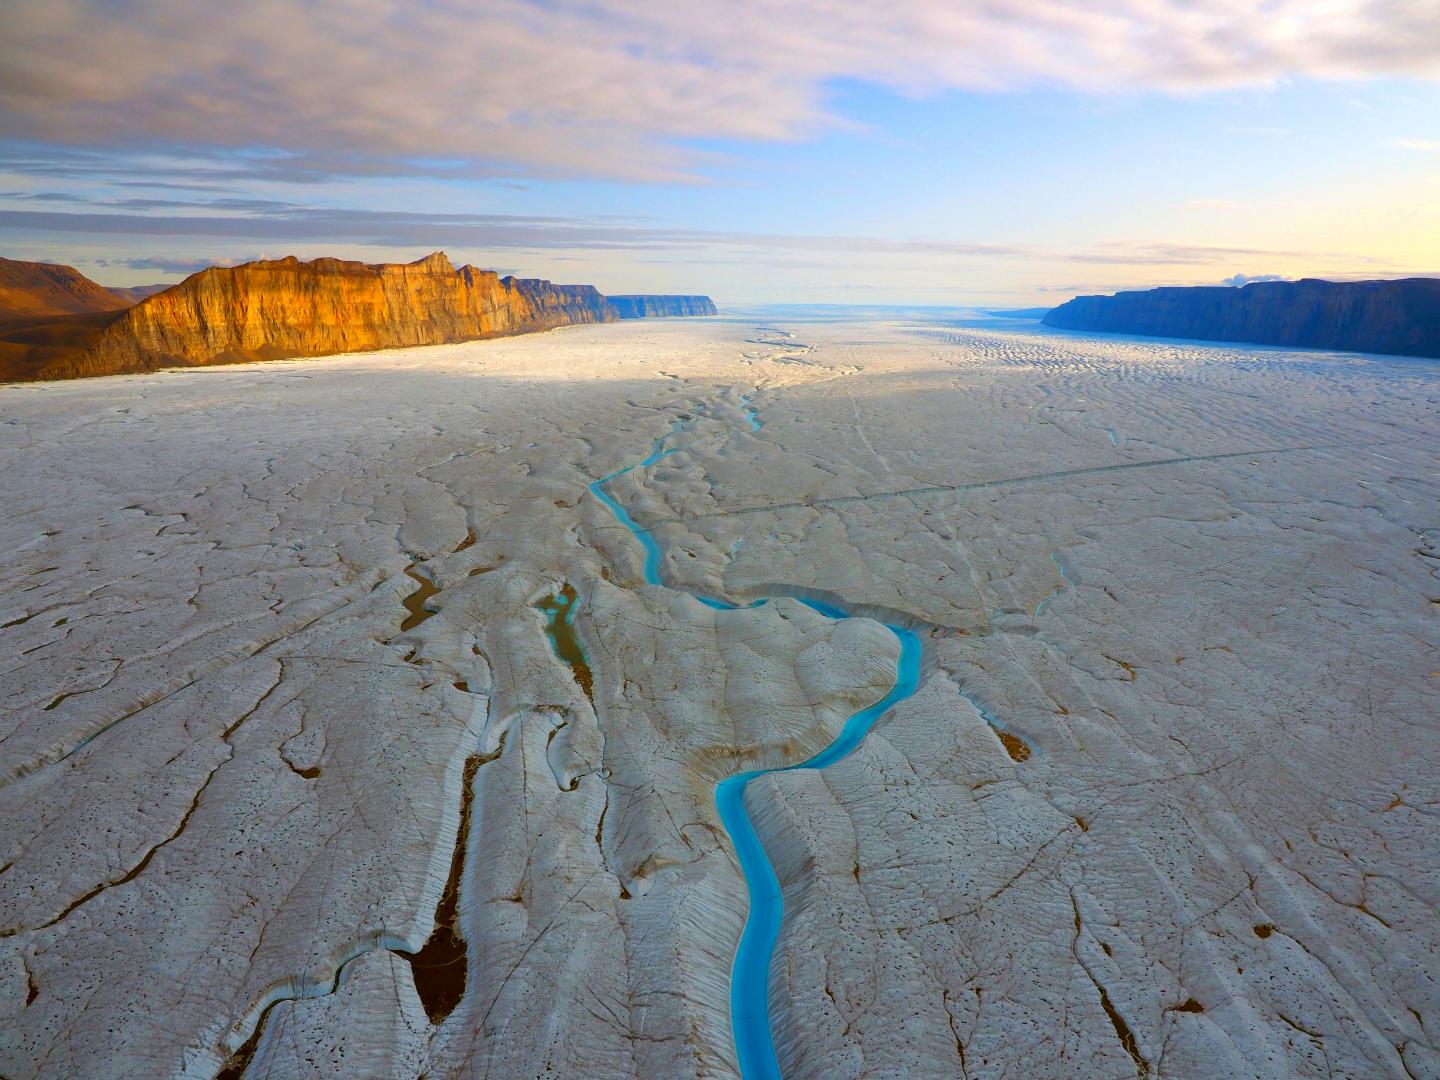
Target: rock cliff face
x=559 y=305
x=1399 y=317
x=655 y=307
x=286 y=308
x=266 y=310
x=280 y=308
x=30 y=289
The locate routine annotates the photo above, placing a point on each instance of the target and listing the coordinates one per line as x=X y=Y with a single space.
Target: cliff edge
x=1397 y=317
x=283 y=307
x=287 y=308
x=659 y=307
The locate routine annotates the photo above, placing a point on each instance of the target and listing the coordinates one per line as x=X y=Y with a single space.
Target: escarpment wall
x=1399 y=317
x=287 y=308
x=635 y=306
x=266 y=310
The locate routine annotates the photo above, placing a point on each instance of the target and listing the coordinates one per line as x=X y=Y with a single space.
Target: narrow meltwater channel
x=441 y=965
x=415 y=602
x=1065 y=584
x=750 y=971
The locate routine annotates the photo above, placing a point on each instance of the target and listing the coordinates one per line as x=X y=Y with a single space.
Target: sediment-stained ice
x=1162 y=804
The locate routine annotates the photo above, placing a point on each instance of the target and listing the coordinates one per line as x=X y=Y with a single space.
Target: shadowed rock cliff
x=656 y=307
x=1399 y=317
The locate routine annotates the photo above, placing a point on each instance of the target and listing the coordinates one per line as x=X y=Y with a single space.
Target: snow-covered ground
x=1164 y=802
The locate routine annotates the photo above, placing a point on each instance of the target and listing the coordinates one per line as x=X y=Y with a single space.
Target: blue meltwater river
x=750 y=973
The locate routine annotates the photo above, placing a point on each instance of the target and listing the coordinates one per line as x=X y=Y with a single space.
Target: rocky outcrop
x=31 y=289
x=634 y=306
x=1399 y=317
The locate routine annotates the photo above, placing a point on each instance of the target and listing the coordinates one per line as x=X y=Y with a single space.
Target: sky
x=1009 y=153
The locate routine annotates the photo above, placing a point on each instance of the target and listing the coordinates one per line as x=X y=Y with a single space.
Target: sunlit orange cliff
x=285 y=308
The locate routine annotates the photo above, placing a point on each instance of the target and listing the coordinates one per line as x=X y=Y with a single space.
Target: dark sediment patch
x=1127 y=1037
x=441 y=966
x=1122 y=1029
x=559 y=609
x=1015 y=746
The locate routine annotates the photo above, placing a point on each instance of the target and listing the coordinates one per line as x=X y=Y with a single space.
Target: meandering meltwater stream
x=750 y=973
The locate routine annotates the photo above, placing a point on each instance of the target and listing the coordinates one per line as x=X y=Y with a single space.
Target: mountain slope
x=29 y=289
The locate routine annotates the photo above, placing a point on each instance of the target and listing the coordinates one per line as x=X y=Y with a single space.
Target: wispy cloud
x=265 y=222
x=1420 y=146
x=1129 y=254
x=165 y=265
x=611 y=87
x=261 y=220
x=43 y=196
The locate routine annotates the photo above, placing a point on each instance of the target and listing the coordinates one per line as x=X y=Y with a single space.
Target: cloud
x=43 y=196
x=1422 y=146
x=619 y=88
x=266 y=220
x=173 y=266
x=1127 y=254
x=1238 y=280
x=251 y=223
